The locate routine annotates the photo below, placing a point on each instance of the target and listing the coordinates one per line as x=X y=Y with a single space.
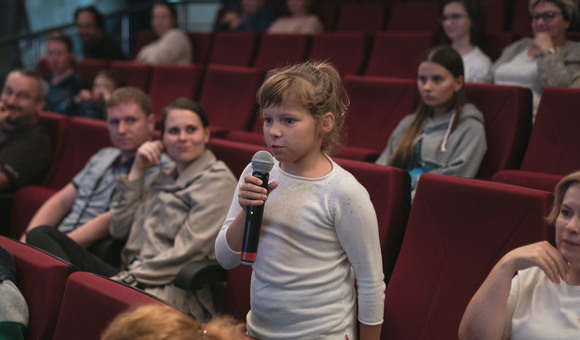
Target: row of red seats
x=67 y=306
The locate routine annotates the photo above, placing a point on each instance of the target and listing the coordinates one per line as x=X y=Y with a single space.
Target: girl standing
x=319 y=229
x=444 y=135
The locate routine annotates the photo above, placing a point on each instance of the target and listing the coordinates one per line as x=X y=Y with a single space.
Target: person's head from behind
x=130 y=119
x=251 y=6
x=163 y=18
x=23 y=97
x=304 y=108
x=184 y=131
x=105 y=83
x=461 y=19
x=565 y=216
x=441 y=88
x=553 y=17
x=59 y=52
x=299 y=7
x=90 y=24
x=155 y=322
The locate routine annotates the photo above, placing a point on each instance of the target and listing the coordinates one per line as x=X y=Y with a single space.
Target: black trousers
x=58 y=244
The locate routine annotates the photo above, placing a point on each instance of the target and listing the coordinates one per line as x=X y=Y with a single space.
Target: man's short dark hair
x=99 y=20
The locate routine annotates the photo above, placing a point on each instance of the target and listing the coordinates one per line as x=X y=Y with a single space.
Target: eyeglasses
x=453 y=17
x=546 y=16
x=19 y=95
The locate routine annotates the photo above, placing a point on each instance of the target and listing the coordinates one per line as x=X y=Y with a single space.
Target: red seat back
x=346 y=50
x=237 y=155
x=169 y=82
x=386 y=61
x=367 y=17
x=414 y=16
x=233 y=48
x=25 y=202
x=56 y=126
x=132 y=73
x=228 y=96
x=528 y=179
x=493 y=44
x=521 y=21
x=201 y=43
x=41 y=279
x=89 y=68
x=555 y=140
x=91 y=302
x=457 y=230
x=495 y=14
x=84 y=137
x=278 y=50
x=507 y=114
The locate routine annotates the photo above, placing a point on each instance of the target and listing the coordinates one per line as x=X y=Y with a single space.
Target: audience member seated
x=24 y=144
x=64 y=82
x=81 y=208
x=299 y=21
x=252 y=16
x=444 y=135
x=13 y=307
x=548 y=59
x=542 y=300
x=172 y=45
x=92 y=104
x=463 y=26
x=169 y=220
x=163 y=322
x=96 y=43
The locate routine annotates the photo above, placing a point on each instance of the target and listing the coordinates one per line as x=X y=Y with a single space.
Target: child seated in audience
x=319 y=226
x=463 y=26
x=542 y=300
x=91 y=104
x=158 y=322
x=444 y=135
x=299 y=21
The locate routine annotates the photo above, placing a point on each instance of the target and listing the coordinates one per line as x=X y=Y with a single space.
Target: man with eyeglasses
x=96 y=43
x=24 y=144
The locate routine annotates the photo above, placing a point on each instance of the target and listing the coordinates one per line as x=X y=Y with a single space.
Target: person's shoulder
x=471 y=111
x=108 y=152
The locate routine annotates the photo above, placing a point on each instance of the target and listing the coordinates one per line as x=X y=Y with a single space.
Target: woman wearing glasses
x=463 y=25
x=548 y=59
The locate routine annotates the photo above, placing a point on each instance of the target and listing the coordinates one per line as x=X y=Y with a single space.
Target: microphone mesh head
x=263 y=161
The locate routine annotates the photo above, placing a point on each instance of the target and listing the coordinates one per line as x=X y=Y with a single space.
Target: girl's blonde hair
x=317 y=86
x=159 y=322
x=447 y=57
x=559 y=193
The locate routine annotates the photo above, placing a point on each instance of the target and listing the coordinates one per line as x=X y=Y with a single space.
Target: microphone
x=262 y=163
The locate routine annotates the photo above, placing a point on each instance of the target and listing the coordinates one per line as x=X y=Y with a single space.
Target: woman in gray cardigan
x=548 y=59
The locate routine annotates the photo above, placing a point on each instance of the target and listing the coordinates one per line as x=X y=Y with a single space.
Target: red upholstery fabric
x=134 y=74
x=55 y=125
x=237 y=301
x=457 y=230
x=25 y=203
x=495 y=15
x=251 y=137
x=521 y=22
x=89 y=68
x=377 y=105
x=90 y=303
x=369 y=17
x=387 y=61
x=328 y=13
x=41 y=279
x=507 y=114
x=235 y=154
x=201 y=42
x=494 y=43
x=233 y=48
x=228 y=96
x=346 y=50
x=390 y=192
x=528 y=179
x=169 y=82
x=84 y=137
x=278 y=50
x=414 y=16
x=144 y=37
x=555 y=140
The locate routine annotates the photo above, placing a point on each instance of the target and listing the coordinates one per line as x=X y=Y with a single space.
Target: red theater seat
x=528 y=179
x=233 y=48
x=414 y=16
x=169 y=82
x=89 y=68
x=507 y=114
x=368 y=17
x=387 y=61
x=278 y=50
x=41 y=279
x=55 y=125
x=201 y=42
x=345 y=50
x=134 y=74
x=90 y=303
x=458 y=229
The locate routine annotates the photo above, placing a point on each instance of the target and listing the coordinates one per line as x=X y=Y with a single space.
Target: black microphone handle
x=253 y=225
